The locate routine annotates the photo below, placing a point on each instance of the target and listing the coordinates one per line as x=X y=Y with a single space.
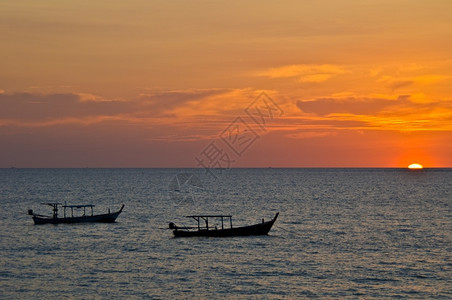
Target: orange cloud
x=310 y=134
x=402 y=114
x=325 y=106
x=305 y=73
x=205 y=111
x=395 y=83
x=41 y=107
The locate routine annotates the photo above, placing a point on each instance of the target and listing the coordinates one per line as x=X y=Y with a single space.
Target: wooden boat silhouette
x=205 y=230
x=55 y=219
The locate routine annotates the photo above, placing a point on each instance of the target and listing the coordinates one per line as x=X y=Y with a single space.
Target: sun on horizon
x=415 y=167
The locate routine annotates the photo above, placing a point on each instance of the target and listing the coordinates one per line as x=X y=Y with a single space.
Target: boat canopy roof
x=209 y=216
x=69 y=206
x=51 y=203
x=79 y=206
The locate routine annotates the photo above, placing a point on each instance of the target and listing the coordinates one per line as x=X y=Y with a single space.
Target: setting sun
x=415 y=167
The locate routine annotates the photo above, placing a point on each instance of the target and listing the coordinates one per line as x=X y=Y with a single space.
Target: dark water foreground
x=341 y=233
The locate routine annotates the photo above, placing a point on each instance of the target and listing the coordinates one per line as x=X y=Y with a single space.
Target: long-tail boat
x=222 y=229
x=70 y=218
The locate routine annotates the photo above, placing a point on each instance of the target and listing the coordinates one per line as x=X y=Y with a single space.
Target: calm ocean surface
x=341 y=233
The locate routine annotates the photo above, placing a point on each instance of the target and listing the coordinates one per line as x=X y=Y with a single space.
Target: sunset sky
x=141 y=83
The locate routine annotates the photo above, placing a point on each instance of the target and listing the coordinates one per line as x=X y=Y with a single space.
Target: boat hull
x=257 y=229
x=104 y=218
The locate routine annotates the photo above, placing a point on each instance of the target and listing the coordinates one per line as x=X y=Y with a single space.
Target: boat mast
x=55 y=210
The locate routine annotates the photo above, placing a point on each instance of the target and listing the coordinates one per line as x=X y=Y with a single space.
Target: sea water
x=341 y=233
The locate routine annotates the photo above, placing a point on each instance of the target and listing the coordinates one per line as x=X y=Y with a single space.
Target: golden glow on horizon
x=415 y=167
